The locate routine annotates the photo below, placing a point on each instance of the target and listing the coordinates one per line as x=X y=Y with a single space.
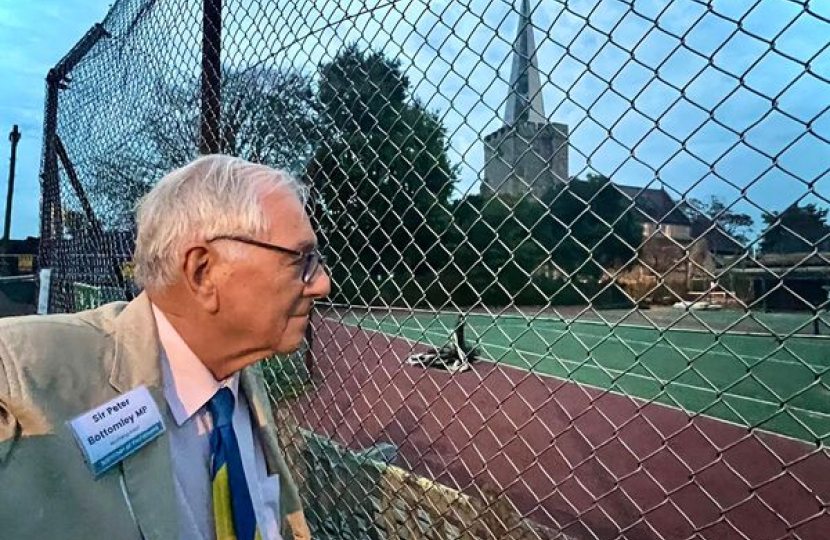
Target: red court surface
x=593 y=464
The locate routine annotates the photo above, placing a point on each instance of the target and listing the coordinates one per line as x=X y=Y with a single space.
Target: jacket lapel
x=262 y=418
x=148 y=474
x=261 y=415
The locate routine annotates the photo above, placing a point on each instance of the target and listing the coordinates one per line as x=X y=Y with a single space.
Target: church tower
x=528 y=153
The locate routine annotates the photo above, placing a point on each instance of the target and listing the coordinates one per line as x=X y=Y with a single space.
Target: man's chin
x=287 y=349
x=289 y=345
x=293 y=337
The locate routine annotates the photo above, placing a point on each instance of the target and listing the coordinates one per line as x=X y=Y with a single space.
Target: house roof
x=655 y=204
x=790 y=262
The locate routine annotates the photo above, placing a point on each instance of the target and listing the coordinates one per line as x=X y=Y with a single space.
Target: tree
x=589 y=226
x=382 y=178
x=268 y=116
x=798 y=229
x=714 y=215
x=524 y=249
x=496 y=249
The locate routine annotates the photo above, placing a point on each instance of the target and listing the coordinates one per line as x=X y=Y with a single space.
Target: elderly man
x=150 y=419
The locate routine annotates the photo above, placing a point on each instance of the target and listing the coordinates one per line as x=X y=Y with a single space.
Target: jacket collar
x=137 y=358
x=148 y=474
x=262 y=418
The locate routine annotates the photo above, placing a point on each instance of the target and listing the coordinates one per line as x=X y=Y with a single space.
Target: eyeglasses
x=312 y=260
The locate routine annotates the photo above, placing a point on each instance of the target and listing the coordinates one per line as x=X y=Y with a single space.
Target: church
x=529 y=153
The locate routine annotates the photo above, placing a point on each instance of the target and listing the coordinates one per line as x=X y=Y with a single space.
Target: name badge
x=117 y=429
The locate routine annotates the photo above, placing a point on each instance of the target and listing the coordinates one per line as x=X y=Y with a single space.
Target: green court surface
x=771 y=379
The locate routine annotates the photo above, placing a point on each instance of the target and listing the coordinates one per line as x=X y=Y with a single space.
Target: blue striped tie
x=233 y=510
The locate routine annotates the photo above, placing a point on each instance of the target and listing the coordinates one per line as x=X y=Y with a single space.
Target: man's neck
x=204 y=337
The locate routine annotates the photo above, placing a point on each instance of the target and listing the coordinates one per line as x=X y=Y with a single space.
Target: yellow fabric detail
x=222 y=513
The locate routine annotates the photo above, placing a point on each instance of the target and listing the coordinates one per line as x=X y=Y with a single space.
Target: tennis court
x=764 y=371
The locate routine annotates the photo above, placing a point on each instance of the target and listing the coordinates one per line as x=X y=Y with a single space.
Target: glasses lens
x=312 y=263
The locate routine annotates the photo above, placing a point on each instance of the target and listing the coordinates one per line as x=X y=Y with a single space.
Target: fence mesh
x=580 y=249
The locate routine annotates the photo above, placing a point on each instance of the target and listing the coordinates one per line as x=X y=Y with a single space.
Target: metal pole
x=51 y=213
x=75 y=182
x=14 y=137
x=211 y=77
x=50 y=203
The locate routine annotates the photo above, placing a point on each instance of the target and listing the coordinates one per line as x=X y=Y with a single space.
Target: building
x=680 y=256
x=720 y=244
x=787 y=281
x=658 y=212
x=676 y=256
x=528 y=153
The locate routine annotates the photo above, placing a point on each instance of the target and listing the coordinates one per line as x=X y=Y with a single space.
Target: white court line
x=621 y=392
x=662 y=343
x=628 y=373
x=664 y=383
x=650 y=344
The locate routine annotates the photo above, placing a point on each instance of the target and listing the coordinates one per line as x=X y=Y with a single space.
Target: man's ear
x=199 y=272
x=10 y=431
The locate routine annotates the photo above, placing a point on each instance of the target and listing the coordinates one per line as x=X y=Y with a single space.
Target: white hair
x=213 y=195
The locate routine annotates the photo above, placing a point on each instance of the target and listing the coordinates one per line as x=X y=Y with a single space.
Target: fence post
x=50 y=203
x=51 y=213
x=14 y=137
x=209 y=138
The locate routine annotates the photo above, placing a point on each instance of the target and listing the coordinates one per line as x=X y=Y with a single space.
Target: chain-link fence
x=580 y=249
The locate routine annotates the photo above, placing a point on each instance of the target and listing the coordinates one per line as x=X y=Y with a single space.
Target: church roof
x=524 y=100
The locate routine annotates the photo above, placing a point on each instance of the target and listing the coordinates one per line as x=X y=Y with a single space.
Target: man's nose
x=320 y=285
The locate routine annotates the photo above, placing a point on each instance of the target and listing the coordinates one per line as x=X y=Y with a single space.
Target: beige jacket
x=53 y=368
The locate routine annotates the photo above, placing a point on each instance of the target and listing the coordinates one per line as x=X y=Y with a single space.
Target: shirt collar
x=188 y=384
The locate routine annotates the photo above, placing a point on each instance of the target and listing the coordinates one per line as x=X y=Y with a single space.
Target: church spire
x=524 y=102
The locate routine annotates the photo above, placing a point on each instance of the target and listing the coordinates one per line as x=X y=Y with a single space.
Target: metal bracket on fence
x=17 y=279
x=43 y=292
